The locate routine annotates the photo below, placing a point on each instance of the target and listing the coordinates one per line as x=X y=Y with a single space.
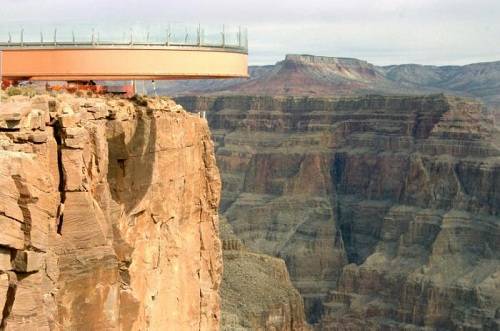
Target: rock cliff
x=386 y=210
x=256 y=291
x=108 y=210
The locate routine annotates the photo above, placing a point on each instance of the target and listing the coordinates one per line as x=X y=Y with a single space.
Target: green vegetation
x=17 y=90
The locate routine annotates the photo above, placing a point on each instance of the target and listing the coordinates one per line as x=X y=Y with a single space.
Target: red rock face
x=385 y=209
x=109 y=216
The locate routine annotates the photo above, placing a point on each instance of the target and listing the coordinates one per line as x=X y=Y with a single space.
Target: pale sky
x=379 y=31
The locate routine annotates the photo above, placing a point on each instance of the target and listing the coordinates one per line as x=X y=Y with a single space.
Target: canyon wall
x=385 y=209
x=109 y=216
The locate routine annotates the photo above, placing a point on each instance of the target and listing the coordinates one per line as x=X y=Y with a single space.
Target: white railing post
x=223 y=36
x=239 y=36
x=199 y=35
x=168 y=35
x=246 y=39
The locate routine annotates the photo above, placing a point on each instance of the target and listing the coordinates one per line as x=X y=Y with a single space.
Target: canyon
x=350 y=197
x=385 y=209
x=109 y=215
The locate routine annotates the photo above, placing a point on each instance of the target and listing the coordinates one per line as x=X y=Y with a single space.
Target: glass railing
x=173 y=34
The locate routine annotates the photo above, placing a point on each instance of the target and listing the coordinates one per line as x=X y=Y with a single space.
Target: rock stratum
x=108 y=211
x=385 y=209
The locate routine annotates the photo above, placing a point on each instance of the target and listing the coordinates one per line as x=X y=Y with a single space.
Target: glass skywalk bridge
x=169 y=51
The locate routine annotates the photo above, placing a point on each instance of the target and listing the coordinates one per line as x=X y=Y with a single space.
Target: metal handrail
x=191 y=36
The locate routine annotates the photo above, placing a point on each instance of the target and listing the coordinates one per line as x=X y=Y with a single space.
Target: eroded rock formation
x=256 y=291
x=108 y=211
x=385 y=209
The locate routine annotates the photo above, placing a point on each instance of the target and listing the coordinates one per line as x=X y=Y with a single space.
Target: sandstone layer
x=108 y=210
x=386 y=210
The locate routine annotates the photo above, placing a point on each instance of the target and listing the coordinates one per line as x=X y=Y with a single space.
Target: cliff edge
x=108 y=210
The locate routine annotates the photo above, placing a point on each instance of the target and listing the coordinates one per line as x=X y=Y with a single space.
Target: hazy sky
x=380 y=31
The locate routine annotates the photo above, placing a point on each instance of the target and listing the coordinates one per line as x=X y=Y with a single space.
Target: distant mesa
x=308 y=75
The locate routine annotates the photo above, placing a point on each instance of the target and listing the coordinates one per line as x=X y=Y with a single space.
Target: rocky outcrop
x=256 y=290
x=108 y=210
x=385 y=209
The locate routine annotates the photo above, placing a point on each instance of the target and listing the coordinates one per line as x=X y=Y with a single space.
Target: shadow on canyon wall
x=130 y=168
